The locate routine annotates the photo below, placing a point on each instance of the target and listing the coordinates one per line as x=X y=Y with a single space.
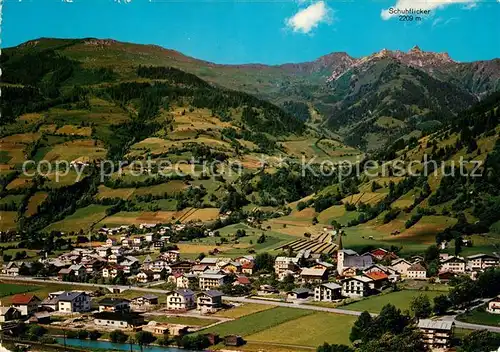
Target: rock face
x=415 y=57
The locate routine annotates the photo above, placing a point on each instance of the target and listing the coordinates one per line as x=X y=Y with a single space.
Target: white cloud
x=422 y=4
x=310 y=17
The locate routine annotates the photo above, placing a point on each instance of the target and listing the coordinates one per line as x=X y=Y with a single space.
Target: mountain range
x=367 y=101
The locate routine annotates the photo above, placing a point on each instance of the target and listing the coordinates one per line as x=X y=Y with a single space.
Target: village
x=202 y=287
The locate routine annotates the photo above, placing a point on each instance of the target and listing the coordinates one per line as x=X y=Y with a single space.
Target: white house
x=182 y=299
x=327 y=292
x=401 y=266
x=73 y=302
x=417 y=271
x=210 y=280
x=454 y=265
x=481 y=261
x=356 y=286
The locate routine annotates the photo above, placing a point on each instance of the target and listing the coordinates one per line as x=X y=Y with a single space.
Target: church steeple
x=339 y=242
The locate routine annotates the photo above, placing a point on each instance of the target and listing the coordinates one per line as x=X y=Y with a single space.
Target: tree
x=6 y=258
x=334 y=348
x=431 y=253
x=390 y=320
x=480 y=341
x=82 y=334
x=361 y=326
x=118 y=336
x=264 y=261
x=458 y=245
x=421 y=306
x=144 y=338
x=463 y=292
x=441 y=304
x=94 y=335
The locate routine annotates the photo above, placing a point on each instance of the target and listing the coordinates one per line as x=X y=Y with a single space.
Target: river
x=117 y=346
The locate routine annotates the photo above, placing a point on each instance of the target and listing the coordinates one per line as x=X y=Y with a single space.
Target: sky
x=264 y=31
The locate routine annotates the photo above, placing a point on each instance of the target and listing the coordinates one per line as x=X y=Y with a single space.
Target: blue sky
x=270 y=32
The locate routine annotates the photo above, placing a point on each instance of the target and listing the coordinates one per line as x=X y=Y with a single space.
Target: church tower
x=340 y=255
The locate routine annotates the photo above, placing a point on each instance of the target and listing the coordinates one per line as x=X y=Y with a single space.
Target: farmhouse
x=25 y=303
x=437 y=333
x=356 y=286
x=327 y=292
x=417 y=271
x=182 y=299
x=119 y=320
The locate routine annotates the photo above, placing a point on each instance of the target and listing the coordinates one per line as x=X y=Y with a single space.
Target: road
x=458 y=324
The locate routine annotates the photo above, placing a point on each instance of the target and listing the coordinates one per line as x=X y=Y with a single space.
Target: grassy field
x=241 y=246
x=8 y=220
x=254 y=323
x=311 y=330
x=191 y=321
x=82 y=218
x=8 y=289
x=242 y=310
x=400 y=299
x=35 y=200
x=480 y=316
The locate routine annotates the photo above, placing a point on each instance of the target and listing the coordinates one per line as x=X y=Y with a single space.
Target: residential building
x=356 y=286
x=454 y=265
x=40 y=318
x=25 y=303
x=494 y=306
x=417 y=272
x=282 y=264
x=11 y=269
x=9 y=313
x=298 y=293
x=482 y=261
x=118 y=320
x=211 y=263
x=379 y=280
x=182 y=280
x=182 y=299
x=114 y=305
x=247 y=268
x=146 y=300
x=327 y=292
x=401 y=266
x=242 y=280
x=209 y=301
x=437 y=334
x=311 y=275
x=232 y=268
x=210 y=280
x=73 y=302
